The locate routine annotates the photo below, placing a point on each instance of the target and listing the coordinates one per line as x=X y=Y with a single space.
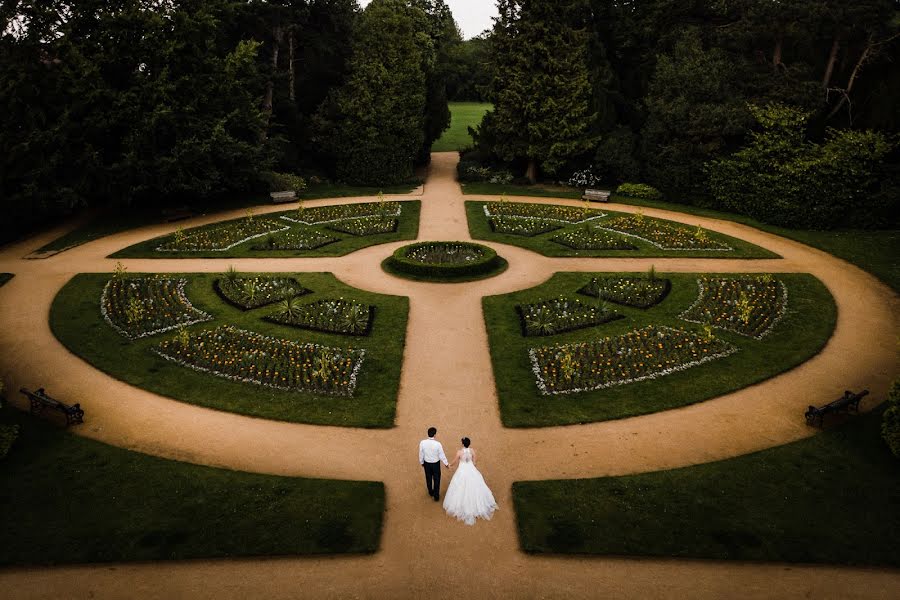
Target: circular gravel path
x=447 y=381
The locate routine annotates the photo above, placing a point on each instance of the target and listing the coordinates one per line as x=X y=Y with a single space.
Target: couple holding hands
x=468 y=496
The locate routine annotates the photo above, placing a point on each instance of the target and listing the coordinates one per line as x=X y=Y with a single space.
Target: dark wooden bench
x=849 y=401
x=40 y=401
x=177 y=213
x=595 y=195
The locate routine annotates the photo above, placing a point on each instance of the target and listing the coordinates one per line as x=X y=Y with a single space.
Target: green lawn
x=806 y=327
x=480 y=229
x=831 y=498
x=538 y=190
x=68 y=499
x=5 y=277
x=318 y=191
x=407 y=229
x=76 y=320
x=463 y=115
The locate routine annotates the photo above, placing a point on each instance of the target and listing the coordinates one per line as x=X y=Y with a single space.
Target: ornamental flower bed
x=664 y=234
x=249 y=357
x=592 y=239
x=342 y=212
x=221 y=237
x=638 y=355
x=296 y=239
x=441 y=253
x=546 y=212
x=521 y=226
x=366 y=226
x=640 y=292
x=750 y=306
x=549 y=317
x=329 y=315
x=252 y=292
x=138 y=307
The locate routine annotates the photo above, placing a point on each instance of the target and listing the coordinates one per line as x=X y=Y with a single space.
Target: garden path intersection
x=447 y=381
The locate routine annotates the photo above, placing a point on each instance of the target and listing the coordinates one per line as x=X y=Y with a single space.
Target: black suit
x=433 y=479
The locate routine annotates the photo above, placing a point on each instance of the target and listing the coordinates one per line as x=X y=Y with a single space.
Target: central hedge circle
x=445 y=261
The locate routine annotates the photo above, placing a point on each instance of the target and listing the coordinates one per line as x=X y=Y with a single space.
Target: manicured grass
x=463 y=115
x=76 y=320
x=807 y=325
x=831 y=498
x=480 y=229
x=407 y=229
x=538 y=190
x=68 y=499
x=875 y=251
x=5 y=277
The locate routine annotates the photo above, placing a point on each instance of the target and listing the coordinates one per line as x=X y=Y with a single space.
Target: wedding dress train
x=468 y=497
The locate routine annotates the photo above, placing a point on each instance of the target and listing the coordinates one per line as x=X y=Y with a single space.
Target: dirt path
x=447 y=381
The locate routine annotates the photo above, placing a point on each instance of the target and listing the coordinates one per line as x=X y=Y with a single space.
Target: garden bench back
x=849 y=401
x=40 y=400
x=280 y=197
x=596 y=195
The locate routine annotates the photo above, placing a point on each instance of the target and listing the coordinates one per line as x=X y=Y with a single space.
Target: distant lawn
x=463 y=115
x=537 y=190
x=5 y=277
x=480 y=229
x=68 y=499
x=407 y=229
x=338 y=190
x=831 y=498
x=807 y=325
x=875 y=251
x=76 y=321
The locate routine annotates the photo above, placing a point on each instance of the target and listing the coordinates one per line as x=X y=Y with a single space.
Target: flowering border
x=179 y=289
x=396 y=213
x=225 y=249
x=351 y=386
x=488 y=214
x=779 y=313
x=536 y=369
x=727 y=248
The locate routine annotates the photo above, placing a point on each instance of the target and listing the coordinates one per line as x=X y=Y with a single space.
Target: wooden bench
x=849 y=401
x=40 y=400
x=177 y=214
x=595 y=195
x=282 y=197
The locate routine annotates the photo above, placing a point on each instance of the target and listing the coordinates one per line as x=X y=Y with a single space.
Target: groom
x=431 y=455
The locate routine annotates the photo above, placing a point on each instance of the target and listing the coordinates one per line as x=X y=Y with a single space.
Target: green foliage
x=783 y=179
x=8 y=435
x=279 y=182
x=639 y=190
x=890 y=425
x=445 y=261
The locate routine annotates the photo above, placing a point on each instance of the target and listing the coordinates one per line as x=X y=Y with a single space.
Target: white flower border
x=226 y=248
x=487 y=213
x=542 y=386
x=780 y=311
x=397 y=213
x=351 y=386
x=179 y=290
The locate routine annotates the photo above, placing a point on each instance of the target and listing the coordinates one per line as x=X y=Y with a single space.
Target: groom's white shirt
x=432 y=451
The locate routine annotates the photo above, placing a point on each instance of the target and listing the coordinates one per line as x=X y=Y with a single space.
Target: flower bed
x=640 y=292
x=521 y=226
x=549 y=317
x=296 y=239
x=341 y=212
x=749 y=306
x=646 y=353
x=444 y=261
x=252 y=292
x=664 y=235
x=592 y=239
x=366 y=226
x=138 y=307
x=546 y=212
x=249 y=357
x=221 y=237
x=329 y=315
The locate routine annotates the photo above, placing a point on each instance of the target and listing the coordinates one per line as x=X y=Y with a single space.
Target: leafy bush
x=584 y=179
x=890 y=426
x=279 y=182
x=8 y=435
x=639 y=190
x=444 y=260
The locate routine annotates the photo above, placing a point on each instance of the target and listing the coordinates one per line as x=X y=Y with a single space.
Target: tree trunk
x=291 y=91
x=832 y=59
x=776 y=52
x=269 y=99
x=531 y=172
x=845 y=96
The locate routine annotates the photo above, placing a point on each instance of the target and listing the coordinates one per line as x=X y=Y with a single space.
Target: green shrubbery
x=639 y=190
x=444 y=261
x=890 y=426
x=279 y=182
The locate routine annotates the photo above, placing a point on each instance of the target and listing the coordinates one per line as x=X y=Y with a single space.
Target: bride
x=468 y=496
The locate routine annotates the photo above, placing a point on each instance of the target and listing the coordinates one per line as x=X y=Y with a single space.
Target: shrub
x=8 y=435
x=444 y=260
x=639 y=190
x=279 y=182
x=890 y=426
x=584 y=179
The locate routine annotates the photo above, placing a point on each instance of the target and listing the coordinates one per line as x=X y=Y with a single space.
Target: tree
x=540 y=85
x=468 y=76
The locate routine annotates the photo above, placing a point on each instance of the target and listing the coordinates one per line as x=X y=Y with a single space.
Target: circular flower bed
x=445 y=261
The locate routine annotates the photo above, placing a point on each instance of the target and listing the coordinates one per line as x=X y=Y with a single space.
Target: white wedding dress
x=468 y=497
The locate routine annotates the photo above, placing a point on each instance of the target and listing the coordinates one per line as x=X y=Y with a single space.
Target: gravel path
x=447 y=381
